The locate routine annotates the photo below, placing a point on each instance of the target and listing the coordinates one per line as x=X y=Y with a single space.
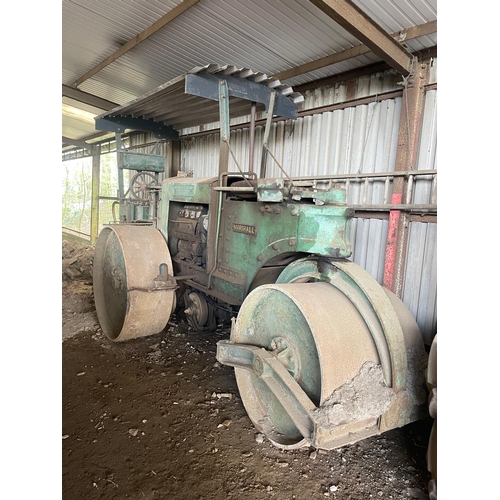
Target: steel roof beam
x=170 y=16
x=403 y=35
x=78 y=144
x=119 y=124
x=207 y=86
x=356 y=22
x=86 y=98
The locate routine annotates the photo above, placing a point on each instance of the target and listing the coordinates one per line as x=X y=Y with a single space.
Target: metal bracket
x=270 y=370
x=299 y=407
x=267 y=131
x=164 y=281
x=119 y=124
x=207 y=85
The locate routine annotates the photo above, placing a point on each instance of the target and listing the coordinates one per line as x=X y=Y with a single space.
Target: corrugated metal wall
x=351 y=140
x=420 y=280
x=359 y=139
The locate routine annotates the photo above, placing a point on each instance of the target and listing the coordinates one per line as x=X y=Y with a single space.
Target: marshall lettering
x=245 y=229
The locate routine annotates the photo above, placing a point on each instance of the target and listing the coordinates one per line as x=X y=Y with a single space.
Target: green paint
x=141 y=161
x=270 y=190
x=184 y=190
x=261 y=233
x=324 y=230
x=187 y=189
x=254 y=233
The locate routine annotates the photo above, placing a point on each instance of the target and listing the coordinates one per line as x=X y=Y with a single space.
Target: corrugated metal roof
x=266 y=35
x=172 y=105
x=93 y=29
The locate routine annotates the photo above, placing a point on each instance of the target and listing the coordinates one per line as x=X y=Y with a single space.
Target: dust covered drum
x=133 y=291
x=326 y=357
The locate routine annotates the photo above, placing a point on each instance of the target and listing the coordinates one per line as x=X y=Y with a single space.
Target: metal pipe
x=362 y=176
x=94 y=206
x=75 y=231
x=122 y=216
x=269 y=120
x=403 y=207
x=252 y=135
x=224 y=126
x=217 y=236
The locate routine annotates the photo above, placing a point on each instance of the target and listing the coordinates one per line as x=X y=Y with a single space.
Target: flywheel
x=326 y=357
x=141 y=185
x=133 y=291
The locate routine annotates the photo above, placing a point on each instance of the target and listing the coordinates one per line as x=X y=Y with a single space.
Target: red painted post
x=406 y=159
x=390 y=249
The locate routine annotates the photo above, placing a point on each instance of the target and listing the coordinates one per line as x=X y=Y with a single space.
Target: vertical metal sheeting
x=420 y=281
x=359 y=139
x=352 y=140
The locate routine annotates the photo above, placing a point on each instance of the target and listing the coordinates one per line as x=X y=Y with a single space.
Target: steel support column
x=94 y=204
x=121 y=185
x=225 y=131
x=406 y=159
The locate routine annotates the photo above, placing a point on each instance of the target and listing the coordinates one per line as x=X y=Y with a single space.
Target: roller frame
x=374 y=305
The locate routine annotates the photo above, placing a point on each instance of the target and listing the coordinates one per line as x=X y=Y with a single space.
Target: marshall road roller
x=323 y=355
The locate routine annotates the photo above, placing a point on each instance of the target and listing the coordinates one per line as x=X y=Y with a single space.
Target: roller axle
x=316 y=430
x=268 y=368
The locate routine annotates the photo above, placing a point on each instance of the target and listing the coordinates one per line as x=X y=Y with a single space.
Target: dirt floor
x=160 y=418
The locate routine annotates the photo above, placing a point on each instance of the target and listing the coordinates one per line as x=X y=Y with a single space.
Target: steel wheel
x=132 y=296
x=294 y=322
x=197 y=311
x=329 y=325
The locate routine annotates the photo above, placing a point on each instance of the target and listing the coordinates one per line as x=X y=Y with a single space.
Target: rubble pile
x=77 y=259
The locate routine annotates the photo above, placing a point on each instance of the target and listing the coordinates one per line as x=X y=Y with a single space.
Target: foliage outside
x=77 y=191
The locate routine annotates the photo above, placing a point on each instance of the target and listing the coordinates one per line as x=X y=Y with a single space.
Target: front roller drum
x=133 y=291
x=326 y=358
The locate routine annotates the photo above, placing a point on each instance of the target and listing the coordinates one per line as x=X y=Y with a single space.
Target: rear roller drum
x=326 y=357
x=133 y=291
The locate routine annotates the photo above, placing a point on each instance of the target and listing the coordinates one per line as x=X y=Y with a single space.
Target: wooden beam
x=400 y=36
x=170 y=16
x=356 y=22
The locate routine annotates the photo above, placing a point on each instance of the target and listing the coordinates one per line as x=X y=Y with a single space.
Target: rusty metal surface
x=432 y=449
x=353 y=350
x=371 y=303
x=132 y=299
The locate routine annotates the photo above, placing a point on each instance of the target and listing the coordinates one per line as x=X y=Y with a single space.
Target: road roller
x=323 y=355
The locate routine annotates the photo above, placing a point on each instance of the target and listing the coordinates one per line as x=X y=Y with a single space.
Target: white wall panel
x=425 y=190
x=420 y=283
x=368 y=240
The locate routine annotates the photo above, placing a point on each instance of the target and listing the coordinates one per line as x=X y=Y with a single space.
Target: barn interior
x=280 y=193
x=296 y=111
